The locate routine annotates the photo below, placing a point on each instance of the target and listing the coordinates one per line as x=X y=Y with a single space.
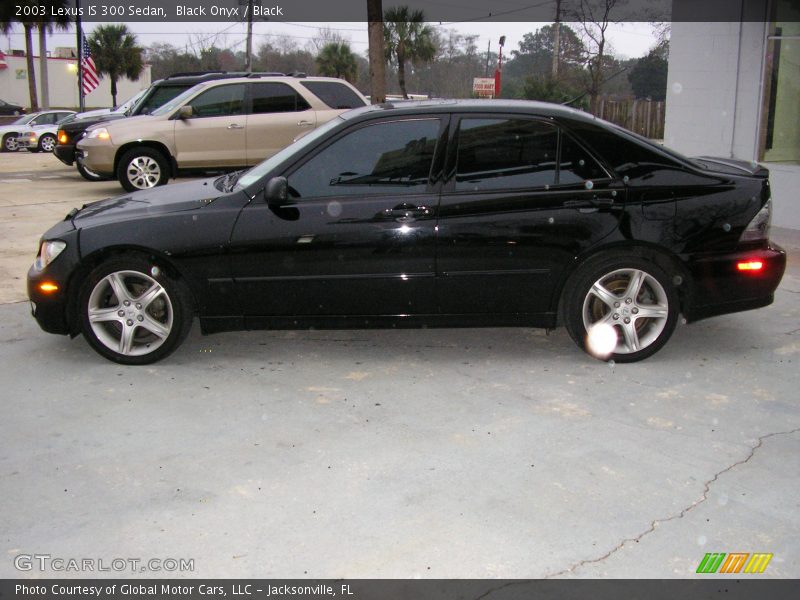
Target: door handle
x=235 y=126
x=304 y=123
x=406 y=213
x=590 y=205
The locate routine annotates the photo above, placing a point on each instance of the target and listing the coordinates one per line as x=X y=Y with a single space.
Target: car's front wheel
x=10 y=142
x=132 y=312
x=47 y=143
x=142 y=168
x=621 y=308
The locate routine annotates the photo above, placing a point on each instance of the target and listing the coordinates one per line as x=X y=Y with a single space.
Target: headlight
x=48 y=252
x=101 y=134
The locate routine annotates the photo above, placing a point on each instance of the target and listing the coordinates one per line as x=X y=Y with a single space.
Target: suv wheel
x=142 y=168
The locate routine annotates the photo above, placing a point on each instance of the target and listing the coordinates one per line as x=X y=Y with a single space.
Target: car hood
x=178 y=197
x=126 y=123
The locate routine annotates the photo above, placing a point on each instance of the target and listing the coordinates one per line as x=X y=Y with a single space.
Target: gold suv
x=221 y=124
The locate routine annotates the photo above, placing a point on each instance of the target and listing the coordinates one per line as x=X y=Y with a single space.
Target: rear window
x=335 y=95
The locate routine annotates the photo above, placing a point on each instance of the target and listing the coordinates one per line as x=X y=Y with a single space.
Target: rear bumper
x=65 y=153
x=720 y=287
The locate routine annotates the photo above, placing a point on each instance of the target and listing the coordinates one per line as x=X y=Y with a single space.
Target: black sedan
x=8 y=108
x=453 y=213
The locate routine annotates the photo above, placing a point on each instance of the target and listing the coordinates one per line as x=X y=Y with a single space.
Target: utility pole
x=79 y=35
x=488 y=52
x=377 y=64
x=248 y=57
x=557 y=39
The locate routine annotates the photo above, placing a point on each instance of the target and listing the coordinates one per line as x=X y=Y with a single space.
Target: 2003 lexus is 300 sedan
x=451 y=213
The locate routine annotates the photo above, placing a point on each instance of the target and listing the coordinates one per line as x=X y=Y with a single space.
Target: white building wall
x=63 y=84
x=713 y=107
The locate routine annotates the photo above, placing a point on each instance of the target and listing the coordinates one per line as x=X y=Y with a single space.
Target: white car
x=42 y=138
x=9 y=133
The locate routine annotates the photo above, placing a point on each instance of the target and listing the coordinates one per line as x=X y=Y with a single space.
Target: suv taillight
x=758 y=228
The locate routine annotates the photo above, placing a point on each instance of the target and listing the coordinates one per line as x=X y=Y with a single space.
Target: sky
x=628 y=40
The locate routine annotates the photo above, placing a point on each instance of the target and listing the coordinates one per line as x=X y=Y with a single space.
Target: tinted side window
x=220 y=101
x=392 y=157
x=46 y=119
x=158 y=97
x=276 y=98
x=335 y=95
x=505 y=154
x=575 y=163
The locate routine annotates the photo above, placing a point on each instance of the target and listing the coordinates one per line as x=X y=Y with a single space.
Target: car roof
x=409 y=107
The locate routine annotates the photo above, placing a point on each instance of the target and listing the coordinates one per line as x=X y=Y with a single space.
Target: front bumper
x=65 y=153
x=720 y=287
x=97 y=156
x=24 y=141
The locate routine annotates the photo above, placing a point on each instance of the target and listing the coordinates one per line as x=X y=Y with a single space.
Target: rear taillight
x=750 y=265
x=758 y=228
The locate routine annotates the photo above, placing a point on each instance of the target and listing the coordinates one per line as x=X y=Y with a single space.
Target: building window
x=780 y=127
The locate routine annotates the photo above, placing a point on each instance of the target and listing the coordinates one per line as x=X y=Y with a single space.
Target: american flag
x=90 y=77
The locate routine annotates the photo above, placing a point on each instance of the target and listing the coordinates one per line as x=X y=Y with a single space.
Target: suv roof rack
x=298 y=74
x=266 y=74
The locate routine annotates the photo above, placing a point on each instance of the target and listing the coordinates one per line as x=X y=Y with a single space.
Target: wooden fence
x=645 y=117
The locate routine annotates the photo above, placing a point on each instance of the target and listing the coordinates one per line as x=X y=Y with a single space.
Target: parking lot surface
x=427 y=453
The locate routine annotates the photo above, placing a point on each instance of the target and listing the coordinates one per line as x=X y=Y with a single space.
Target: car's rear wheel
x=132 y=312
x=47 y=143
x=10 y=142
x=88 y=174
x=142 y=168
x=621 y=308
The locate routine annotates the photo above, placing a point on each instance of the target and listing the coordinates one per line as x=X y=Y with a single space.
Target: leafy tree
x=546 y=89
x=407 y=38
x=116 y=54
x=337 y=60
x=649 y=76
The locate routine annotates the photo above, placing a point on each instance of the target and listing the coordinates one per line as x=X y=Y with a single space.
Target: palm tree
x=335 y=59
x=407 y=37
x=116 y=54
x=7 y=18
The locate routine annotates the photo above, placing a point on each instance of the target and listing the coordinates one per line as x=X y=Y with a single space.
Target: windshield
x=129 y=102
x=307 y=140
x=25 y=119
x=175 y=102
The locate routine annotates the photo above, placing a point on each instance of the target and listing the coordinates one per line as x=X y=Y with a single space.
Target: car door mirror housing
x=276 y=192
x=185 y=112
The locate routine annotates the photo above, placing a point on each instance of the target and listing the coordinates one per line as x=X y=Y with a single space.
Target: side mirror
x=185 y=112
x=276 y=193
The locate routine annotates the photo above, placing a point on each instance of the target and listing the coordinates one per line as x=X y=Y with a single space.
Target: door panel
x=358 y=235
x=215 y=135
x=521 y=203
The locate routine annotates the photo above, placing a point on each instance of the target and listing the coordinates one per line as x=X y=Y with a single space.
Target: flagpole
x=81 y=100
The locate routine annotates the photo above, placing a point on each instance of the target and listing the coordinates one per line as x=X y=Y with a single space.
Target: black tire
x=88 y=174
x=9 y=143
x=148 y=324
x=45 y=141
x=153 y=169
x=638 y=335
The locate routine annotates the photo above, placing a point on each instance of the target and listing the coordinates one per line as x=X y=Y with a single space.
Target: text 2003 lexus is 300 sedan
x=452 y=213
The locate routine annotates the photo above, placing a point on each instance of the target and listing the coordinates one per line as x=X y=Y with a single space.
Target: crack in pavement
x=655 y=523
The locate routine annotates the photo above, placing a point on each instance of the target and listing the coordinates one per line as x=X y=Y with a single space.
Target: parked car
x=42 y=138
x=10 y=132
x=453 y=213
x=8 y=108
x=221 y=124
x=159 y=93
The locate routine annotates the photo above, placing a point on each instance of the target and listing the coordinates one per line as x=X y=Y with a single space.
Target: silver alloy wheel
x=48 y=142
x=11 y=143
x=143 y=172
x=130 y=313
x=633 y=302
